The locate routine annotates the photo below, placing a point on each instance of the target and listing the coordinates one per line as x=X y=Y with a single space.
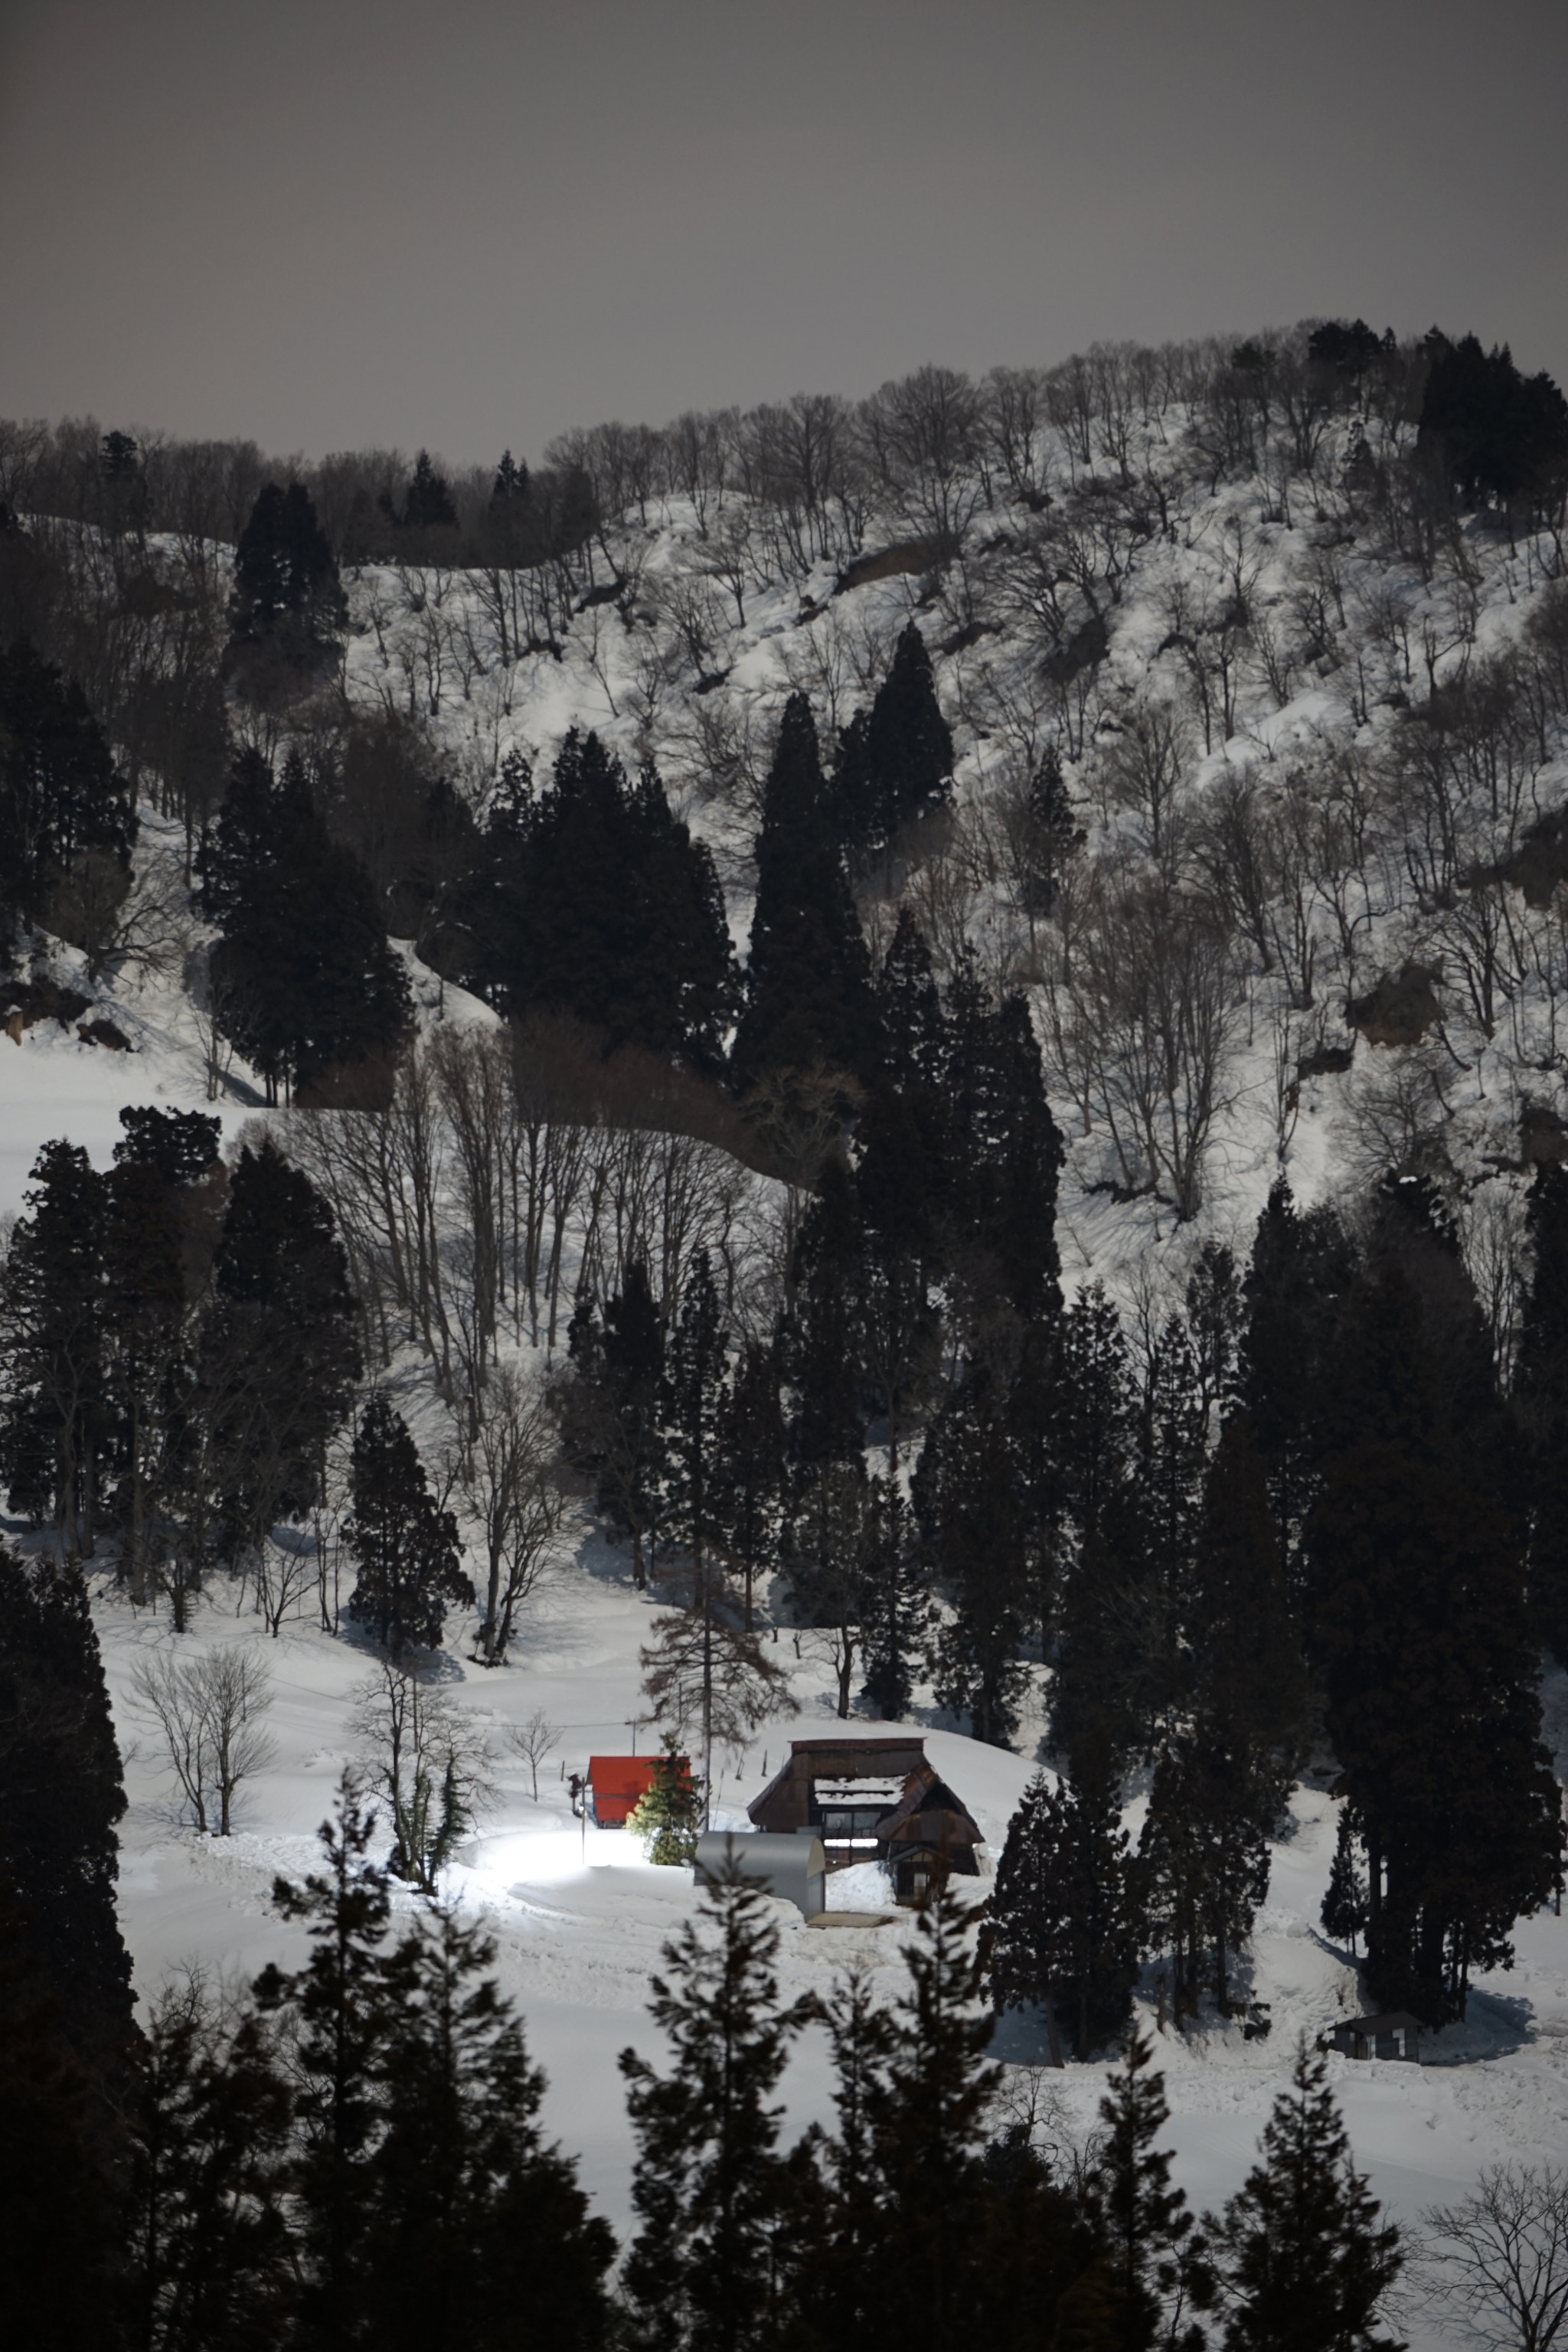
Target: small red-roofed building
x=616 y=1783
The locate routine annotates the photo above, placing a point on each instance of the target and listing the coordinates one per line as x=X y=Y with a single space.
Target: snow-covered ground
x=579 y=1916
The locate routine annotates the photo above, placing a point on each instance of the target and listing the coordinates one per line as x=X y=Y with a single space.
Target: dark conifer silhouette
x=1061 y=1932
x=61 y=1798
x=707 y=2188
x=277 y=1356
x=1421 y=1634
x=808 y=982
x=895 y=760
x=61 y=796
x=410 y=1569
x=62 y=2174
x=303 y=978
x=609 y=1410
x=910 y=1003
x=1541 y=1396
x=1154 y=2260
x=1246 y=1650
x=427 y=502
x=476 y=2232
x=288 y=597
x=52 y=1303
x=596 y=901
x=210 y=2129
x=1344 y=1900
x=970 y=1505
x=1301 y=2262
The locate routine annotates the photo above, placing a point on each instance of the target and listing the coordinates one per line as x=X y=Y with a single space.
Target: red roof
x=617 y=1782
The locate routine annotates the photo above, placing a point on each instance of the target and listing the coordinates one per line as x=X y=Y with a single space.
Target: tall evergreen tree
x=1157 y=2268
x=1214 y=1305
x=926 y=2112
x=1203 y=1855
x=340 y=2020
x=693 y=1393
x=609 y=1410
x=277 y=1356
x=747 y=1492
x=1246 y=1651
x=1540 y=1397
x=61 y=2172
x=1344 y=1912
x=1060 y=1930
x=61 y=796
x=410 y=1569
x=476 y=2233
x=1485 y=430
x=52 y=1303
x=896 y=1606
x=288 y=596
x=303 y=980
x=145 y=1324
x=899 y=1181
x=1421 y=1634
x=895 y=760
x=1301 y=2262
x=1051 y=837
x=210 y=2125
x=809 y=998
x=1297 y=1278
x=61 y=1798
x=594 y=900
x=821 y=1345
x=970 y=1506
x=427 y=502
x=1095 y=1411
x=708 y=2184
x=910 y=1003
x=67 y=2037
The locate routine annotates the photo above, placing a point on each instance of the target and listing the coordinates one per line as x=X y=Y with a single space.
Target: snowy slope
x=579 y=1916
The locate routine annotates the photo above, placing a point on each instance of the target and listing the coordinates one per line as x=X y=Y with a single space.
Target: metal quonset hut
x=795 y=1868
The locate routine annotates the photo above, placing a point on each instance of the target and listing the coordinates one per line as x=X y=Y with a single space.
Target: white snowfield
x=579 y=1916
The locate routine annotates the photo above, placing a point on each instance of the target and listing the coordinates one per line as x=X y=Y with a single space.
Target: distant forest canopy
x=1486 y=433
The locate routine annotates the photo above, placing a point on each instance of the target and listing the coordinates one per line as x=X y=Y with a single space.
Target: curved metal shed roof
x=795 y=1868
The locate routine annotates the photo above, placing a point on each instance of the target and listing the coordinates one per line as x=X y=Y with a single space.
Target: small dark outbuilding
x=1394 y=2034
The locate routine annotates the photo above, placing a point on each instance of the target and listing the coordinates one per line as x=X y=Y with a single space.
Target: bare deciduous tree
x=509 y=1476
x=1496 y=2264
x=533 y=1740
x=430 y=1759
x=208 y=1710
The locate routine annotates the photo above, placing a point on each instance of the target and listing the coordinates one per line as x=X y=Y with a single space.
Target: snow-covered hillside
x=1313 y=745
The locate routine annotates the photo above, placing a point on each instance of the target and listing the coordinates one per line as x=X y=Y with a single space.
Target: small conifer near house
x=667 y=1816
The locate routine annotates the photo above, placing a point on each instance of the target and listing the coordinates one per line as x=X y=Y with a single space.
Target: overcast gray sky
x=469 y=223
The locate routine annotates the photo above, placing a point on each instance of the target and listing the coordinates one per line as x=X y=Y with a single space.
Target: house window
x=846 y=1822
